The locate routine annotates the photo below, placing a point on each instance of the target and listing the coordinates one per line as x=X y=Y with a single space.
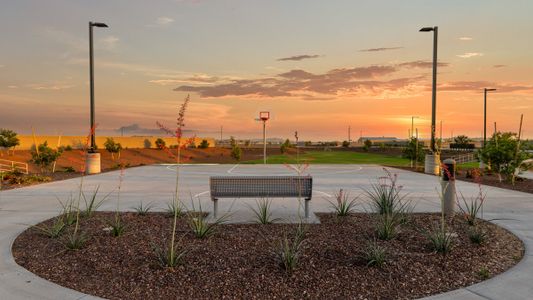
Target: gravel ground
x=237 y=262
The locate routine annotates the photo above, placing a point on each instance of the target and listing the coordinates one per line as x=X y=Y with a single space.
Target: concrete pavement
x=23 y=207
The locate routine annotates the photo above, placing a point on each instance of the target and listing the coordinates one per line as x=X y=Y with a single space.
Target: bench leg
x=307 y=209
x=215 y=208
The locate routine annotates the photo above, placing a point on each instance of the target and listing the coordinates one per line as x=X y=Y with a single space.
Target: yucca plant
x=171 y=258
x=343 y=205
x=143 y=210
x=374 y=254
x=385 y=196
x=75 y=240
x=54 y=230
x=92 y=203
x=201 y=228
x=441 y=240
x=477 y=235
x=175 y=208
x=288 y=250
x=263 y=214
x=68 y=211
x=471 y=208
x=386 y=227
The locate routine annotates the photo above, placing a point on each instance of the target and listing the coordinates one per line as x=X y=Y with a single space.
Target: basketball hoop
x=264 y=116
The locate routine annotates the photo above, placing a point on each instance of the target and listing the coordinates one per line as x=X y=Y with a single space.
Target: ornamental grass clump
x=473 y=207
x=289 y=248
x=116 y=225
x=374 y=254
x=385 y=196
x=199 y=225
x=477 y=235
x=53 y=230
x=92 y=203
x=343 y=205
x=387 y=226
x=263 y=213
x=143 y=210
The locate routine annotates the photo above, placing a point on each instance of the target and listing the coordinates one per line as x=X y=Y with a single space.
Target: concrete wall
x=26 y=141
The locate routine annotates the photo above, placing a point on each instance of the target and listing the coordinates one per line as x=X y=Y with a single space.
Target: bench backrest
x=261 y=186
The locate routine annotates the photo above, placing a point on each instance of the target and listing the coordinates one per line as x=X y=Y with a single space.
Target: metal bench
x=260 y=186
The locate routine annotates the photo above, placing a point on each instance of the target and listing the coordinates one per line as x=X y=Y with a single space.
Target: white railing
x=464 y=158
x=10 y=165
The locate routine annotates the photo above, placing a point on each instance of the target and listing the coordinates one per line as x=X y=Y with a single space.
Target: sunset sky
x=318 y=66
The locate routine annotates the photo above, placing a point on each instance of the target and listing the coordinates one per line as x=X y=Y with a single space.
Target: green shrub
x=44 y=156
x=204 y=144
x=160 y=143
x=385 y=196
x=54 y=230
x=483 y=273
x=386 y=228
x=112 y=147
x=263 y=215
x=345 y=144
x=414 y=151
x=374 y=254
x=236 y=152
x=75 y=240
x=440 y=240
x=171 y=256
x=143 y=210
x=8 y=139
x=289 y=248
x=477 y=235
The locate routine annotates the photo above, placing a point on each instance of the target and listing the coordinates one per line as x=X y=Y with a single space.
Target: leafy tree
x=204 y=144
x=414 y=150
x=285 y=146
x=462 y=142
x=112 y=147
x=236 y=152
x=367 y=144
x=345 y=144
x=232 y=141
x=503 y=154
x=247 y=143
x=160 y=143
x=8 y=139
x=44 y=156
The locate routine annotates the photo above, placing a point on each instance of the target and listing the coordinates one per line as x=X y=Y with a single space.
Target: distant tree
x=236 y=152
x=160 y=143
x=285 y=146
x=308 y=143
x=462 y=142
x=503 y=154
x=367 y=144
x=232 y=141
x=247 y=143
x=112 y=147
x=147 y=144
x=414 y=150
x=44 y=156
x=204 y=144
x=8 y=139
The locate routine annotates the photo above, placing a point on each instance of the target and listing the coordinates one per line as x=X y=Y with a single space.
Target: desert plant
x=75 y=240
x=343 y=204
x=143 y=210
x=69 y=169
x=204 y=144
x=386 y=227
x=414 y=150
x=236 y=152
x=53 y=230
x=171 y=257
x=200 y=227
x=288 y=250
x=8 y=139
x=91 y=203
x=440 y=240
x=471 y=208
x=483 y=273
x=44 y=156
x=160 y=143
x=374 y=254
x=68 y=211
x=112 y=147
x=263 y=214
x=385 y=196
x=175 y=208
x=477 y=235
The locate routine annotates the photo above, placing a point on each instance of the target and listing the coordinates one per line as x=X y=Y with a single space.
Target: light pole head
x=97 y=24
x=426 y=29
x=489 y=90
x=264 y=116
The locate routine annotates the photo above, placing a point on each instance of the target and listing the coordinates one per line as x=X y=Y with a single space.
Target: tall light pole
x=264 y=116
x=485 y=90
x=91 y=79
x=93 y=157
x=434 y=84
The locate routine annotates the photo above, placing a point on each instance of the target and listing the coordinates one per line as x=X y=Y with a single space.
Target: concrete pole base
x=93 y=164
x=432 y=164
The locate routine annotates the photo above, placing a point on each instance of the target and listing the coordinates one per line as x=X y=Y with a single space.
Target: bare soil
x=237 y=262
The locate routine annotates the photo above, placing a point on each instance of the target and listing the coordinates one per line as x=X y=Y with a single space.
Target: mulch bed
x=521 y=184
x=237 y=262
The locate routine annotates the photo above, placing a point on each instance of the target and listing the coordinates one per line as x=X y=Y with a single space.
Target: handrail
x=10 y=165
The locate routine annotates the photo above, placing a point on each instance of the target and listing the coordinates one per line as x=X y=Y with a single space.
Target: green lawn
x=335 y=157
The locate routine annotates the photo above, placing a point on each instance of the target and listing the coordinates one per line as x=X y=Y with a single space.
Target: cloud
x=499 y=66
x=1 y=66
x=460 y=86
x=421 y=64
x=465 y=38
x=298 y=57
x=109 y=42
x=380 y=49
x=470 y=54
x=50 y=86
x=12 y=86
x=162 y=22
x=306 y=85
x=136 y=129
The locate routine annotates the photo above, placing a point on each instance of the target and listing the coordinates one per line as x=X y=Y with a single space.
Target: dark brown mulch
x=238 y=262
x=521 y=184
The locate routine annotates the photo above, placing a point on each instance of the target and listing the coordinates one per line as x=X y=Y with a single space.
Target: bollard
x=448 y=187
x=93 y=164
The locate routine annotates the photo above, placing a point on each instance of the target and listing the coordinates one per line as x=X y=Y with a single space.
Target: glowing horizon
x=318 y=68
